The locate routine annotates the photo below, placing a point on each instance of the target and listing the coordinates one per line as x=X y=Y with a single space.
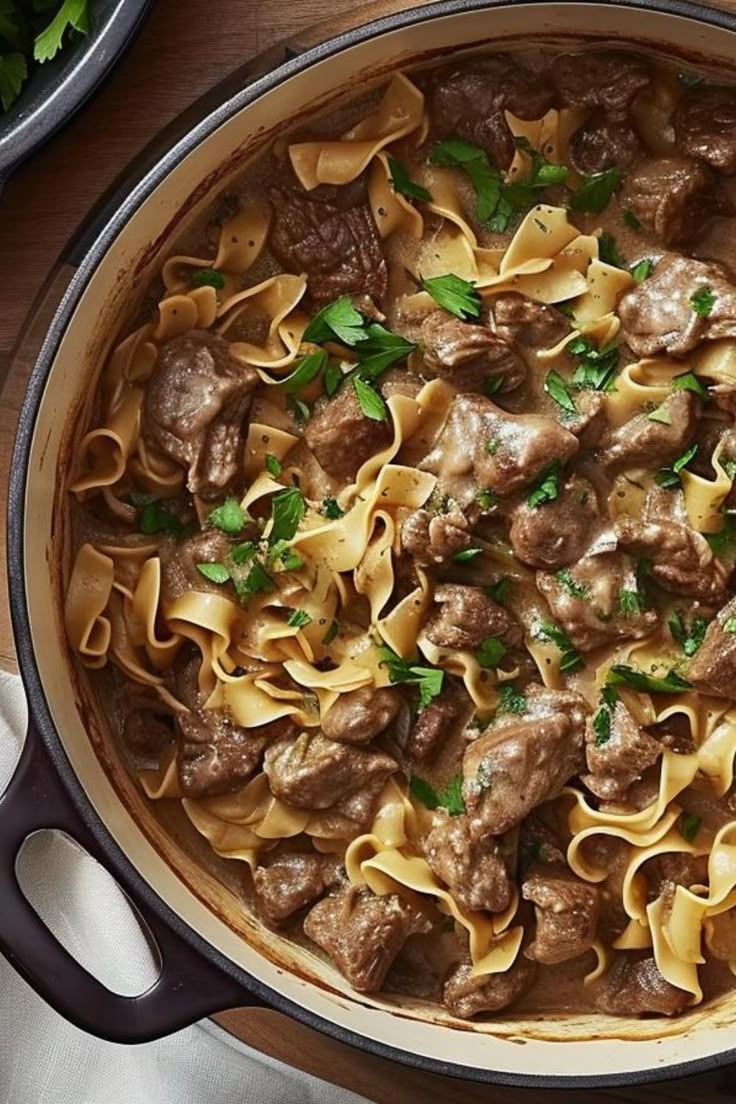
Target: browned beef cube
x=179 y=559
x=469 y=355
x=474 y=869
x=618 y=754
x=713 y=668
x=357 y=717
x=566 y=911
x=604 y=142
x=313 y=772
x=557 y=533
x=705 y=126
x=463 y=616
x=363 y=933
x=523 y=320
x=444 y=715
x=642 y=442
x=634 y=986
x=287 y=881
x=672 y=197
x=342 y=437
x=338 y=248
x=465 y=996
x=194 y=407
x=607 y=79
x=433 y=539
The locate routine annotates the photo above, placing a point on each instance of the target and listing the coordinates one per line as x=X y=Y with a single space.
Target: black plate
x=59 y=88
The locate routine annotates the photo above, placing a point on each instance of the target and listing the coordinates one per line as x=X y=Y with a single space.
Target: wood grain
x=185 y=48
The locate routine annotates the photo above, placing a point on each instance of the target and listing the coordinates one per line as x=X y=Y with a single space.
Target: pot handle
x=188 y=987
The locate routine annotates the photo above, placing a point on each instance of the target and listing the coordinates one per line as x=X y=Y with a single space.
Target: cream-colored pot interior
x=570 y=1047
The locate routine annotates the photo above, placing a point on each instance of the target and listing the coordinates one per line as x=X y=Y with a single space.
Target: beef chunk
x=596 y=601
x=705 y=126
x=147 y=732
x=604 y=142
x=642 y=442
x=657 y=315
x=682 y=561
x=513 y=767
x=357 y=717
x=671 y=196
x=522 y=320
x=474 y=869
x=433 y=539
x=538 y=843
x=501 y=452
x=665 y=872
x=463 y=616
x=559 y=532
x=470 y=99
x=313 y=772
x=290 y=880
x=194 y=407
x=590 y=422
x=438 y=720
x=179 y=561
x=618 y=758
x=399 y=381
x=363 y=933
x=342 y=438
x=350 y=816
x=566 y=910
x=468 y=355
x=634 y=985
x=215 y=755
x=465 y=996
x=606 y=79
x=713 y=668
x=339 y=249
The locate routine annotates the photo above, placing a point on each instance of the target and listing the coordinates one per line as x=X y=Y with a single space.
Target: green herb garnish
x=338 y=321
x=511 y=700
x=670 y=477
x=229 y=518
x=287 y=510
x=306 y=370
x=689 y=638
x=485 y=500
x=215 y=572
x=608 y=251
x=595 y=193
x=428 y=679
x=298 y=619
x=661 y=414
x=689 y=826
x=499 y=591
x=642 y=270
x=622 y=675
x=688 y=381
x=466 y=555
x=573 y=588
x=208 y=277
x=571 y=659
x=547 y=488
x=702 y=301
x=631 y=220
x=331 y=509
x=404 y=185
x=557 y=389
x=273 y=465
x=156 y=517
x=491 y=652
x=629 y=602
x=369 y=401
x=456 y=295
x=596 y=367
x=450 y=799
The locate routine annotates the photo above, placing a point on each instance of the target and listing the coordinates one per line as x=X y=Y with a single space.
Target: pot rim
x=110 y=221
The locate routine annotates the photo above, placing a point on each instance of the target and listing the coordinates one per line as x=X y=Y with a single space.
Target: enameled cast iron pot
x=213 y=954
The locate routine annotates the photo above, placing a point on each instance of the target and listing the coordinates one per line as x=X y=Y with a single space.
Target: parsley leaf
x=72 y=14
x=456 y=295
x=229 y=518
x=244 y=552
x=466 y=555
x=380 y=349
x=485 y=178
x=642 y=270
x=290 y=560
x=702 y=301
x=723 y=542
x=428 y=679
x=629 y=602
x=287 y=509
x=273 y=465
x=511 y=700
x=689 y=638
x=298 y=619
x=257 y=581
x=491 y=651
x=499 y=590
x=13 y=75
x=631 y=220
x=423 y=792
x=369 y=401
x=596 y=367
x=299 y=410
x=595 y=193
x=208 y=277
x=333 y=377
x=689 y=826
x=156 y=517
x=215 y=572
x=548 y=487
x=661 y=414
x=622 y=675
x=688 y=381
x=571 y=659
x=573 y=588
x=485 y=500
x=307 y=369
x=450 y=799
x=602 y=726
x=670 y=477
x=331 y=633
x=729 y=625
x=404 y=185
x=331 y=509
x=608 y=251
x=556 y=388
x=339 y=320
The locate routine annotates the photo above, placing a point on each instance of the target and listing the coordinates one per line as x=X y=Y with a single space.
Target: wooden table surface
x=185 y=47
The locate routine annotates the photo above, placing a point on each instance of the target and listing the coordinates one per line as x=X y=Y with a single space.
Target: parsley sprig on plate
x=31 y=34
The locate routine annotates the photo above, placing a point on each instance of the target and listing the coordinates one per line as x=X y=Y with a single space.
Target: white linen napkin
x=45 y=1060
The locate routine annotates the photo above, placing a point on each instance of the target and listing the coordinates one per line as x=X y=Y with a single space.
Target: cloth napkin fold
x=45 y=1060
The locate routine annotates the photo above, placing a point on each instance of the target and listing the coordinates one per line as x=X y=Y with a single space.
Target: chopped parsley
x=670 y=477
x=156 y=517
x=331 y=509
x=491 y=652
x=596 y=367
x=557 y=389
x=642 y=270
x=631 y=220
x=257 y=581
x=287 y=510
x=208 y=277
x=729 y=625
x=492 y=386
x=688 y=637
x=602 y=719
x=369 y=401
x=499 y=591
x=380 y=349
x=331 y=633
x=630 y=602
x=596 y=191
x=492 y=446
x=428 y=679
x=689 y=825
x=450 y=798
x=575 y=589
x=338 y=321
x=273 y=465
x=456 y=295
x=688 y=381
x=622 y=675
x=243 y=553
x=215 y=572
x=307 y=369
x=299 y=410
x=511 y=700
x=404 y=185
x=702 y=301
x=298 y=619
x=608 y=251
x=466 y=555
x=722 y=543
x=547 y=488
x=571 y=659
x=661 y=414
x=229 y=518
x=485 y=500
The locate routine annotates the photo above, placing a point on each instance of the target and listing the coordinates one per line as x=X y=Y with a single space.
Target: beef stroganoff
x=404 y=536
